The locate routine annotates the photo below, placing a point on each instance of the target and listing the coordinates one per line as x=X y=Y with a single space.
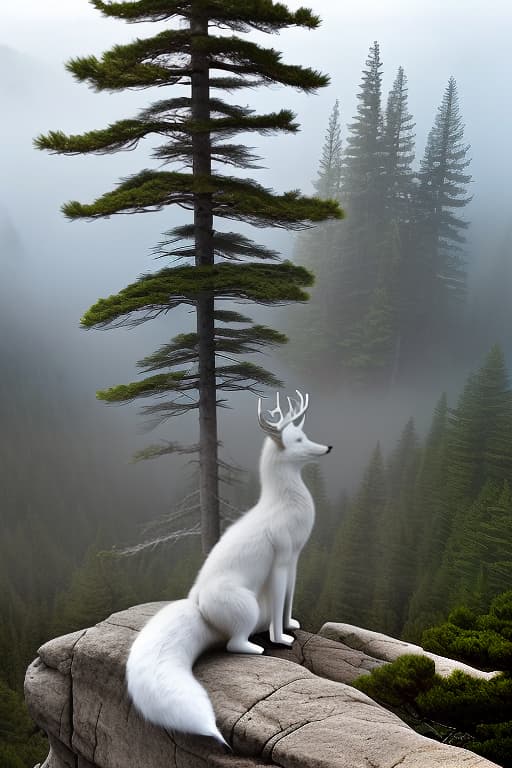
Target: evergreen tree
x=311 y=572
x=496 y=544
x=328 y=182
x=430 y=515
x=439 y=230
x=399 y=536
x=351 y=577
x=480 y=445
x=196 y=128
x=319 y=248
x=481 y=565
x=478 y=462
x=398 y=152
x=363 y=300
x=397 y=262
x=363 y=157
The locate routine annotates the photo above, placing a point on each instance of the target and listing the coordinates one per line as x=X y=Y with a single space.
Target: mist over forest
x=393 y=396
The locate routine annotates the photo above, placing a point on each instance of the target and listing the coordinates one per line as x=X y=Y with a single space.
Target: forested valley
x=428 y=526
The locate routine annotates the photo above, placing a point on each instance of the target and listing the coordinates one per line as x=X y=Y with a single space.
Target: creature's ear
x=301 y=423
x=278 y=440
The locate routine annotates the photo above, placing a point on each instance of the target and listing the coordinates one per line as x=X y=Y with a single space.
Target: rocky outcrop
x=290 y=707
x=388 y=648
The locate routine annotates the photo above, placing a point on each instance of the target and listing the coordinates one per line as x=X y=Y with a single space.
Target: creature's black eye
x=299 y=439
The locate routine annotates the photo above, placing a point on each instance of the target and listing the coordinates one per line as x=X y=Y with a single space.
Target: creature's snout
x=329 y=449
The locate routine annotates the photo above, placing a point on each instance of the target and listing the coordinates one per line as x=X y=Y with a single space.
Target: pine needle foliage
x=263 y=15
x=197 y=131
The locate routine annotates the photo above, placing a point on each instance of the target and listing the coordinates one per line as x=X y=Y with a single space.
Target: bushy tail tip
x=218 y=735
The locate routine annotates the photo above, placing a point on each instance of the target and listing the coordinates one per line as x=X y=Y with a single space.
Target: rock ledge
x=290 y=708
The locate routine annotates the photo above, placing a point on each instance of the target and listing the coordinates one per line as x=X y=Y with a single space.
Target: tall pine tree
x=319 y=248
x=328 y=182
x=398 y=151
x=196 y=129
x=439 y=230
x=431 y=518
x=364 y=312
x=396 y=269
x=349 y=589
x=398 y=536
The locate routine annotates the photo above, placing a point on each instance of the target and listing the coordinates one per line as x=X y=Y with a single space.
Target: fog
x=54 y=270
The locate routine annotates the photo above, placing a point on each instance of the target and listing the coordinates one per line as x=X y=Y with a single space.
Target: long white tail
x=159 y=670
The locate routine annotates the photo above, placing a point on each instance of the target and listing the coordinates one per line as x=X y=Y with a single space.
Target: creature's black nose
x=329 y=449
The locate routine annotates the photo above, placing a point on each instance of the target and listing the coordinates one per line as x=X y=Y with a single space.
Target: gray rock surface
x=389 y=648
x=278 y=709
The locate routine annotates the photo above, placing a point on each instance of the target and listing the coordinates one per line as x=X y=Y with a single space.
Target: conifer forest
x=354 y=227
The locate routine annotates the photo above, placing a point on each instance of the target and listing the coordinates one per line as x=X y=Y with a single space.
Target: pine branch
x=232 y=198
x=235 y=155
x=165 y=59
x=152 y=295
x=126 y=134
x=143 y=10
x=114 y=76
x=155 y=385
x=239 y=15
x=230 y=84
x=164 y=449
x=123 y=135
x=227 y=245
x=241 y=57
x=245 y=377
x=170 y=538
x=228 y=316
x=183 y=349
x=170 y=108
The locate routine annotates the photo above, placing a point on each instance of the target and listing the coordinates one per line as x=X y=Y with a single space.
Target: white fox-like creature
x=246 y=585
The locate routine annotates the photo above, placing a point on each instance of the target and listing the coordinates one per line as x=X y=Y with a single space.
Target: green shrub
x=399 y=683
x=484 y=641
x=471 y=712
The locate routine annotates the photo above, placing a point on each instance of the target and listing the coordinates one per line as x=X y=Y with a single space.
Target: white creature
x=246 y=585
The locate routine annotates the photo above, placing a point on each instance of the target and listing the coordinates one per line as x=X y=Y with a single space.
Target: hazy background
x=54 y=270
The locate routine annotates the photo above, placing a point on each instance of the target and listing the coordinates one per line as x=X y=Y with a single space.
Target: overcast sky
x=432 y=40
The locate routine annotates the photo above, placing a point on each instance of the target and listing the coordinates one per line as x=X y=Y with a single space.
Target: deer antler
x=296 y=409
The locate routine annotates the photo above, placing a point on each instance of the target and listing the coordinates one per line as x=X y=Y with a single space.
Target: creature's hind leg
x=234 y=611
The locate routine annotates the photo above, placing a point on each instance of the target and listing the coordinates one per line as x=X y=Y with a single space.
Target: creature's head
x=287 y=433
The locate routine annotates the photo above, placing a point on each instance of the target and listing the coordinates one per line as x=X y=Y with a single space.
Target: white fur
x=246 y=585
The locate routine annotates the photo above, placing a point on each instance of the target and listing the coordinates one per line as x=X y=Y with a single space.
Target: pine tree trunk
x=204 y=255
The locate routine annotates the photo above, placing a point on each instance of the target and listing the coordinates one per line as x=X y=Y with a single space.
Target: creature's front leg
x=278 y=590
x=290 y=623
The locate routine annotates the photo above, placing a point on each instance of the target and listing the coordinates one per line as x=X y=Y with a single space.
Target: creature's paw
x=238 y=645
x=293 y=624
x=282 y=639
